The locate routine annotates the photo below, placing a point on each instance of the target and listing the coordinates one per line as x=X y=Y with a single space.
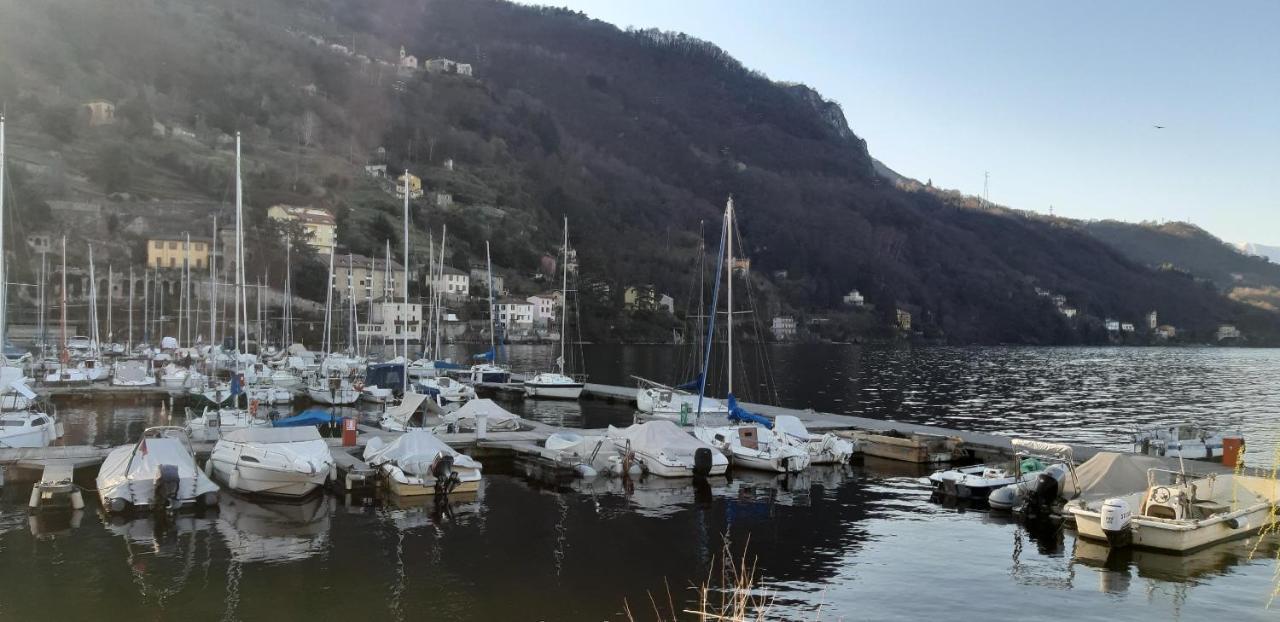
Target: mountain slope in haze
x=1261 y=250
x=1187 y=247
x=637 y=136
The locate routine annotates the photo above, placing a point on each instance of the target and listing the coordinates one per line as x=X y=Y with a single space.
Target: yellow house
x=322 y=229
x=168 y=252
x=415 y=186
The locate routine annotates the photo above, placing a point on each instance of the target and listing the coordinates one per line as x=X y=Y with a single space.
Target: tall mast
x=387 y=290
x=146 y=306
x=111 y=280
x=351 y=306
x=404 y=288
x=432 y=289
x=132 y=288
x=439 y=302
x=44 y=309
x=564 y=299
x=213 y=284
x=328 y=307
x=239 y=247
x=286 y=335
x=93 y=306
x=65 y=354
x=489 y=268
x=728 y=223
x=4 y=286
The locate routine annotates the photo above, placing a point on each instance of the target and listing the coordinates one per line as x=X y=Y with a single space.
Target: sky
x=1056 y=101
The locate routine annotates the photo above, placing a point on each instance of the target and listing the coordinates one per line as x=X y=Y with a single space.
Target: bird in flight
x=1158 y=127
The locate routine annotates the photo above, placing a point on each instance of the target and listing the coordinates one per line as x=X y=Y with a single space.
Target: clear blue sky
x=1056 y=99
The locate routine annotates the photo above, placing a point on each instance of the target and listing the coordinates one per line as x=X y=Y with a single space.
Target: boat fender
x=209 y=499
x=34 y=501
x=1115 y=518
x=585 y=472
x=1238 y=522
x=208 y=467
x=702 y=461
x=117 y=505
x=333 y=473
x=234 y=480
x=77 y=499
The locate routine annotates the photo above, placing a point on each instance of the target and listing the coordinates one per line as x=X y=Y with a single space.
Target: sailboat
x=331 y=384
x=443 y=389
x=749 y=440
x=489 y=371
x=26 y=427
x=557 y=384
x=63 y=372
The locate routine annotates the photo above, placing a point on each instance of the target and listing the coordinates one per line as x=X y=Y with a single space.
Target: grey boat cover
x=1109 y=474
x=497 y=419
x=262 y=434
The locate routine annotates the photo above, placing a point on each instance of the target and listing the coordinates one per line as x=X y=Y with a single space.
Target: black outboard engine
x=702 y=461
x=166 y=488
x=1039 y=504
x=442 y=472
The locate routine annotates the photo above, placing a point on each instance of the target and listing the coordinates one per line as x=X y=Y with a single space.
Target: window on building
x=159 y=244
x=173 y=262
x=173 y=246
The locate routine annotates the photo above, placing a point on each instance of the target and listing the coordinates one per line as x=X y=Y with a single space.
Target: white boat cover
x=147 y=457
x=1109 y=474
x=497 y=419
x=658 y=435
x=402 y=412
x=131 y=371
x=1040 y=448
x=169 y=343
x=413 y=452
x=259 y=434
x=791 y=426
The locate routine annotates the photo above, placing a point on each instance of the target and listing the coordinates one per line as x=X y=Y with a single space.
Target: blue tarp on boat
x=310 y=416
x=483 y=356
x=738 y=414
x=692 y=385
x=385 y=375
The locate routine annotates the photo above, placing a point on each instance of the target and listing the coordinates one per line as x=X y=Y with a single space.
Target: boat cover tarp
x=791 y=426
x=147 y=456
x=413 y=452
x=385 y=375
x=131 y=371
x=308 y=417
x=658 y=435
x=1109 y=474
x=738 y=414
x=692 y=385
x=497 y=418
x=483 y=356
x=1041 y=448
x=404 y=411
x=261 y=434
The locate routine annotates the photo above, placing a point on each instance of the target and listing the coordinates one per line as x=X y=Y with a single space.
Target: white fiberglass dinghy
x=754 y=447
x=822 y=448
x=285 y=462
x=554 y=386
x=418 y=463
x=1185 y=440
x=667 y=451
x=158 y=472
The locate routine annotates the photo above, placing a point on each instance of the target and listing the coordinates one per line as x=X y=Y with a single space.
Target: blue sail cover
x=310 y=416
x=235 y=385
x=738 y=414
x=692 y=385
x=385 y=375
x=483 y=356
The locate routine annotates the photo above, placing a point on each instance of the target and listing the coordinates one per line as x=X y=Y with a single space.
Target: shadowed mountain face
x=637 y=136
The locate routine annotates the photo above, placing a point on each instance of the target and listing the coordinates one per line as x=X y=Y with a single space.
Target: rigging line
x=770 y=383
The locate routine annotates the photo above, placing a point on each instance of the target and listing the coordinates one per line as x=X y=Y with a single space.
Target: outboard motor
x=442 y=471
x=1115 y=517
x=702 y=461
x=166 y=488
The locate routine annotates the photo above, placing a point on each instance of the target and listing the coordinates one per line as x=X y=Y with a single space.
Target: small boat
x=822 y=448
x=1178 y=512
x=174 y=377
x=1040 y=496
x=483 y=415
x=754 y=447
x=979 y=481
x=446 y=390
x=65 y=374
x=399 y=417
x=278 y=461
x=554 y=386
x=335 y=390
x=158 y=472
x=1185 y=440
x=28 y=428
x=375 y=394
x=488 y=373
x=269 y=395
x=674 y=403
x=132 y=373
x=667 y=451
x=418 y=463
x=212 y=423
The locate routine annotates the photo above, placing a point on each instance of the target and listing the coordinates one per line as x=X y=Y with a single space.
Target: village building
x=98 y=112
x=667 y=303
x=415 y=186
x=783 y=328
x=515 y=313
x=480 y=278
x=392 y=322
x=175 y=252
x=854 y=299
x=638 y=297
x=903 y=319
x=453 y=282
x=321 y=228
x=1227 y=331
x=367 y=278
x=544 y=308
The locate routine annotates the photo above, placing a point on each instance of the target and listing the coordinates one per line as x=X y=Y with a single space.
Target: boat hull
x=259 y=481
x=1169 y=536
x=419 y=488
x=554 y=391
x=341 y=397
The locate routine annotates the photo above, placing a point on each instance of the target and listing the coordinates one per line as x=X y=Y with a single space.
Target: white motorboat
x=157 y=472
x=269 y=395
x=375 y=394
x=285 y=462
x=446 y=390
x=213 y=423
x=666 y=450
x=754 y=447
x=66 y=374
x=284 y=379
x=979 y=481
x=94 y=370
x=334 y=390
x=484 y=415
x=28 y=428
x=1041 y=496
x=132 y=373
x=554 y=386
x=399 y=417
x=1180 y=513
x=174 y=377
x=822 y=448
x=418 y=463
x=677 y=405
x=1185 y=440
x=79 y=344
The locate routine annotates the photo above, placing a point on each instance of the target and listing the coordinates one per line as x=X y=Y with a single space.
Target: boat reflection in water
x=275 y=531
x=163 y=551
x=411 y=513
x=1117 y=568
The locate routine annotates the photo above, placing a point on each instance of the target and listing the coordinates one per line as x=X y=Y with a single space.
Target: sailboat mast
x=286 y=337
x=63 y=322
x=213 y=284
x=4 y=286
x=728 y=223
x=239 y=246
x=489 y=268
x=93 y=305
x=432 y=288
x=327 y=343
x=404 y=288
x=111 y=280
x=564 y=299
x=439 y=304
x=132 y=291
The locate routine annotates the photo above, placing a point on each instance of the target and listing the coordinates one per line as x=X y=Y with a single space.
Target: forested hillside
x=637 y=136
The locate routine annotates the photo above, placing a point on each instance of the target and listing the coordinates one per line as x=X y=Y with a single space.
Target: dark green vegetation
x=638 y=137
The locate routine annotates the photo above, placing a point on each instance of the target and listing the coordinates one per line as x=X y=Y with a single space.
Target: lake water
x=851 y=543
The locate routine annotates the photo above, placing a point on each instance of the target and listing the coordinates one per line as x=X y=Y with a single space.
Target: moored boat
x=667 y=451
x=157 y=472
x=418 y=463
x=278 y=461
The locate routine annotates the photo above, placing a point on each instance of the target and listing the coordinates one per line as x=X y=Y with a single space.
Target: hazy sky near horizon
x=1056 y=100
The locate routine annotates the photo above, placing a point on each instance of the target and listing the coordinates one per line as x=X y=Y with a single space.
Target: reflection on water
x=853 y=542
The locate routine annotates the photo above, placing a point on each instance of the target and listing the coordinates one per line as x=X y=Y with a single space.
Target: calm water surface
x=853 y=543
